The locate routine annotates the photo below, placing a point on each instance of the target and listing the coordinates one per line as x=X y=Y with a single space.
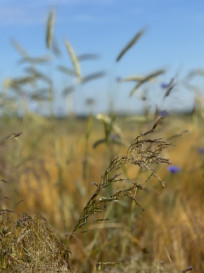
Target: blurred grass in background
x=50 y=168
x=44 y=173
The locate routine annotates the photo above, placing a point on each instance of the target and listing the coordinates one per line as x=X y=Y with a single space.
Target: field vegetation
x=107 y=193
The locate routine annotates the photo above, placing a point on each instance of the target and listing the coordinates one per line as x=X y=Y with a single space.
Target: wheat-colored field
x=52 y=169
x=108 y=193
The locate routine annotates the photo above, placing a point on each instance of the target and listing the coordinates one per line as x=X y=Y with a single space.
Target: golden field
x=51 y=170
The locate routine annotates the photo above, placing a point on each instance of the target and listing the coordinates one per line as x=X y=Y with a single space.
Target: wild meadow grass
x=105 y=193
x=141 y=227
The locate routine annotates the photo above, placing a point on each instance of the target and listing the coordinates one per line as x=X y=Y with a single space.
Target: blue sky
x=174 y=41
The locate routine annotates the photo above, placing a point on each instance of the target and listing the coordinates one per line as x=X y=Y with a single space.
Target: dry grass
x=166 y=237
x=95 y=196
x=30 y=245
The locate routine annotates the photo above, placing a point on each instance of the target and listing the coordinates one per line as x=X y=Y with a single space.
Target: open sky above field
x=174 y=41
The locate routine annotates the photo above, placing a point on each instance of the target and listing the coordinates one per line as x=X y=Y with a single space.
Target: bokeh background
x=173 y=41
x=69 y=106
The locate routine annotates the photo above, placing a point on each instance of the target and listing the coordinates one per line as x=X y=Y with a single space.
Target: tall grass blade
x=89 y=126
x=55 y=48
x=50 y=28
x=93 y=76
x=19 y=48
x=134 y=78
x=170 y=87
x=35 y=60
x=38 y=75
x=195 y=72
x=16 y=82
x=74 y=59
x=146 y=79
x=130 y=44
x=68 y=90
x=39 y=97
x=87 y=57
x=66 y=70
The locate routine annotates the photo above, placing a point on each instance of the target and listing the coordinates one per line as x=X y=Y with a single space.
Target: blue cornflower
x=115 y=137
x=119 y=80
x=190 y=268
x=164 y=85
x=201 y=150
x=173 y=169
x=164 y=113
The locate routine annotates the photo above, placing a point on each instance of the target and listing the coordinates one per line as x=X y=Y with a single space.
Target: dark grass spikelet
x=143 y=152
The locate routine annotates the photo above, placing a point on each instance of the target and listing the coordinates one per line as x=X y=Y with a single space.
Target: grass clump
x=30 y=245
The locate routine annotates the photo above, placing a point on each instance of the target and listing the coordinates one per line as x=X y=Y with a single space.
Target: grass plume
x=130 y=44
x=146 y=79
x=50 y=28
x=143 y=153
x=74 y=59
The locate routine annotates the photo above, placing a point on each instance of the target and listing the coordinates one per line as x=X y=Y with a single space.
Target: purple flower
x=119 y=80
x=164 y=113
x=115 y=137
x=201 y=150
x=168 y=85
x=173 y=169
x=164 y=85
x=190 y=268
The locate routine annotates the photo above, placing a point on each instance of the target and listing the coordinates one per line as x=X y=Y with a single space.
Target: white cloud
x=35 y=12
x=18 y=16
x=19 y=13
x=83 y=18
